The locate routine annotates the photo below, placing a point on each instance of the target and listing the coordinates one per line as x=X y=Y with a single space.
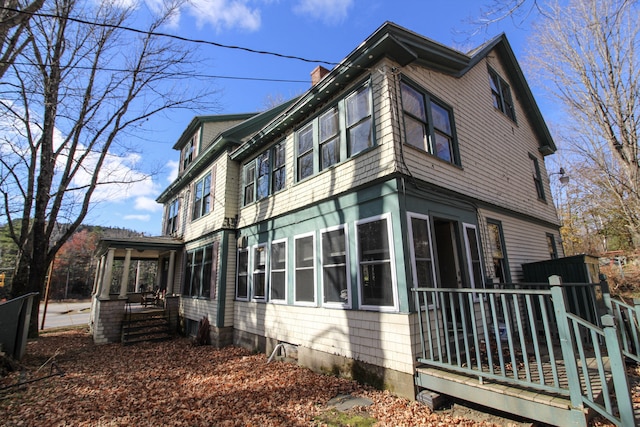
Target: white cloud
x=225 y=14
x=144 y=218
x=173 y=166
x=327 y=11
x=149 y=204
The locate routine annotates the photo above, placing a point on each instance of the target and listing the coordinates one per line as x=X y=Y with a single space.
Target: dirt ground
x=75 y=382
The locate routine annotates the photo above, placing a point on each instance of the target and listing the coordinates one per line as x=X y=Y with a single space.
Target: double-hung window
x=279 y=171
x=171 y=225
x=340 y=132
x=242 y=284
x=376 y=278
x=202 y=197
x=305 y=283
x=329 y=138
x=249 y=186
x=359 y=123
x=262 y=180
x=428 y=124
x=278 y=270
x=537 y=176
x=198 y=277
x=260 y=272
x=501 y=95
x=264 y=175
x=188 y=152
x=305 y=152
x=335 y=262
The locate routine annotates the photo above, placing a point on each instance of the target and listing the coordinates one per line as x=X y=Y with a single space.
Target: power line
x=171 y=36
x=176 y=74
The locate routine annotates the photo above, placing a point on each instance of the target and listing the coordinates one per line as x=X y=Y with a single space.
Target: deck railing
x=627 y=318
x=535 y=337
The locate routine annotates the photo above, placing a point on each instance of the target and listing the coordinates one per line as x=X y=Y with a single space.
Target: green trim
x=198 y=121
x=223 y=251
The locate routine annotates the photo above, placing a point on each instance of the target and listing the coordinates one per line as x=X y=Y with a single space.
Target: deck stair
x=145 y=326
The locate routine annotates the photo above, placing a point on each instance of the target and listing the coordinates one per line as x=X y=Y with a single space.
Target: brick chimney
x=318 y=74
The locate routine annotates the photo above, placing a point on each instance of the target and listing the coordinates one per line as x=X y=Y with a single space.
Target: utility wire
x=176 y=74
x=171 y=36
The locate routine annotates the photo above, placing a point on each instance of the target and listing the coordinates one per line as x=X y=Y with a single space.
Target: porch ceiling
x=142 y=247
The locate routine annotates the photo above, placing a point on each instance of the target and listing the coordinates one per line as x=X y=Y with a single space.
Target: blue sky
x=316 y=29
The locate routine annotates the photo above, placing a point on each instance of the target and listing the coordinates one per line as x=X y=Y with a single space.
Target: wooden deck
x=530 y=351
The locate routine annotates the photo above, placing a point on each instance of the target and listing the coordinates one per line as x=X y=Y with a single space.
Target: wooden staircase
x=146 y=326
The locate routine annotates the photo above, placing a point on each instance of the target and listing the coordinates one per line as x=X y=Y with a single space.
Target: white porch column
x=96 y=280
x=108 y=274
x=124 y=283
x=138 y=276
x=170 y=273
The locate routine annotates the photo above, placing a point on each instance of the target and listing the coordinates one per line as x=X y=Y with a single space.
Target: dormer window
x=501 y=94
x=187 y=153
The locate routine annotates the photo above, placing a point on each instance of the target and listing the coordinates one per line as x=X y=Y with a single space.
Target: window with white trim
x=278 y=270
x=259 y=279
x=242 y=283
x=335 y=263
x=329 y=138
x=305 y=152
x=376 y=278
x=304 y=280
x=421 y=251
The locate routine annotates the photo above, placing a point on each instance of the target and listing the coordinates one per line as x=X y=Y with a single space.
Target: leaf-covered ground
x=176 y=383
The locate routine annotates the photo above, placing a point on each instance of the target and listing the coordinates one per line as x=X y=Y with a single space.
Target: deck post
x=618 y=371
x=566 y=343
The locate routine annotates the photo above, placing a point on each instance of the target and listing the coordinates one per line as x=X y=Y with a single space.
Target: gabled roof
x=231 y=137
x=198 y=121
x=405 y=47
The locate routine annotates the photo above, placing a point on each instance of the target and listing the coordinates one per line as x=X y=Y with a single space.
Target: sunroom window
x=335 y=274
x=375 y=268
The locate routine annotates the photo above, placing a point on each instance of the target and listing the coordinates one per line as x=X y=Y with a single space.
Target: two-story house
x=409 y=164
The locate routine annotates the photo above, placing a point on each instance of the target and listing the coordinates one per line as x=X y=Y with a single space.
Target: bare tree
x=70 y=101
x=586 y=52
x=14 y=18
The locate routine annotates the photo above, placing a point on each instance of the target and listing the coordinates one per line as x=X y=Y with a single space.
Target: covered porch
x=119 y=288
x=550 y=352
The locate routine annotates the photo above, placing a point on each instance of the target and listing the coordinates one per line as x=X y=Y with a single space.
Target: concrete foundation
x=399 y=383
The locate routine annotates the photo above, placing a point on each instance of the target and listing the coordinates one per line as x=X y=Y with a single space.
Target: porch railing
x=534 y=337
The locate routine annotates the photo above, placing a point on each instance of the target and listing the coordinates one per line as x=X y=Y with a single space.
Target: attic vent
x=318 y=74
